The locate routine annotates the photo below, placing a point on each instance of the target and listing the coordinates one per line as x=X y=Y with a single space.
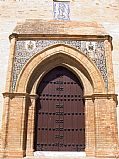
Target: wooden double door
x=60 y=115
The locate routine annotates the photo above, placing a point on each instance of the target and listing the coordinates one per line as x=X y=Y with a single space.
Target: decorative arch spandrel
x=56 y=56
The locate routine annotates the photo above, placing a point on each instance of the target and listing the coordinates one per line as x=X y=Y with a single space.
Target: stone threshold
x=65 y=157
x=61 y=155
x=57 y=155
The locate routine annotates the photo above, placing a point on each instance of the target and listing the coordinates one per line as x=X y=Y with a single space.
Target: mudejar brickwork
x=59 y=78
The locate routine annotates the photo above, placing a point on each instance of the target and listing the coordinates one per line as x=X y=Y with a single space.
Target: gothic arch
x=60 y=55
x=21 y=103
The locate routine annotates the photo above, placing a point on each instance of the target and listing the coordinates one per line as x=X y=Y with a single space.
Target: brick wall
x=11 y=11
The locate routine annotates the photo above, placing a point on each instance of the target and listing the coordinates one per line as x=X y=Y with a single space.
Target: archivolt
x=60 y=55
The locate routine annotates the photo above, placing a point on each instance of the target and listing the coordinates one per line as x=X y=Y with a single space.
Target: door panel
x=60 y=118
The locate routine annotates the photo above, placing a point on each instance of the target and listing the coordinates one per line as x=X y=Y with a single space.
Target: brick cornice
x=101 y=96
x=59 y=36
x=19 y=94
x=11 y=95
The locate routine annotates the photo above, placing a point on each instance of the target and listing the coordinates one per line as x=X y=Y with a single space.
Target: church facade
x=61 y=90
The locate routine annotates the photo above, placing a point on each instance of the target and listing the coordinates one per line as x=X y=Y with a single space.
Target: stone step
x=57 y=155
x=66 y=157
x=61 y=155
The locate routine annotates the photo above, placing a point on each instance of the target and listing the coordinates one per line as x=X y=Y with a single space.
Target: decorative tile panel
x=61 y=10
x=28 y=48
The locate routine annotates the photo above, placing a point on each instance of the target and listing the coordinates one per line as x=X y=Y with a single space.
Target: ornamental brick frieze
x=25 y=49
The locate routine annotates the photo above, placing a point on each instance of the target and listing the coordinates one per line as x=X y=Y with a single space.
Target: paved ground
x=61 y=157
x=64 y=157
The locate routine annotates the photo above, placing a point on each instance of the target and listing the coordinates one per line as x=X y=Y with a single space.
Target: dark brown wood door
x=60 y=123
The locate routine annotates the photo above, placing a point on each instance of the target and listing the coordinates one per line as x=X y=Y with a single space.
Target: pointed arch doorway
x=60 y=116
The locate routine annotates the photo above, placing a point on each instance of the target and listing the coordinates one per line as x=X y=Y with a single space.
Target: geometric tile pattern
x=25 y=49
x=61 y=10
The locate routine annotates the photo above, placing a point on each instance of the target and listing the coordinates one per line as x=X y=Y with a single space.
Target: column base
x=107 y=153
x=30 y=152
x=10 y=154
x=90 y=152
x=1 y=153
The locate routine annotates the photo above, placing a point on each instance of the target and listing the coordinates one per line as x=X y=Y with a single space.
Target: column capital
x=13 y=35
x=100 y=95
x=108 y=42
